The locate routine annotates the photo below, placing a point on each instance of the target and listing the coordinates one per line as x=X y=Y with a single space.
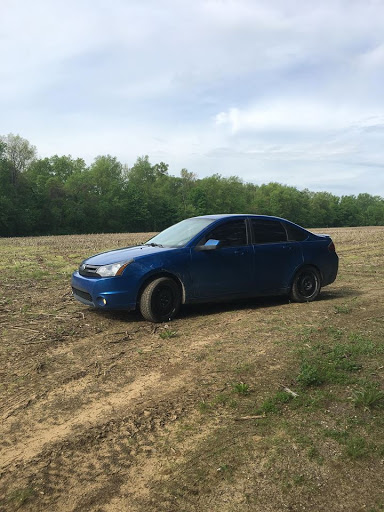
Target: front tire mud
x=160 y=300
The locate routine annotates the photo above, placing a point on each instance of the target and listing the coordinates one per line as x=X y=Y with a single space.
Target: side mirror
x=210 y=245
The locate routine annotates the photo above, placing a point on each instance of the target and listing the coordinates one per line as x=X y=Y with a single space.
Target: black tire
x=160 y=300
x=306 y=285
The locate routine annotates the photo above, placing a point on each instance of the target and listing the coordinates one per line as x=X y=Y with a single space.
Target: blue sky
x=272 y=90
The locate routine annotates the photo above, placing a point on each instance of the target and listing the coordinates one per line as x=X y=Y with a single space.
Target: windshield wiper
x=154 y=245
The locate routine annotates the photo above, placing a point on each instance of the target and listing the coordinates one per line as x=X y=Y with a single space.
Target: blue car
x=206 y=259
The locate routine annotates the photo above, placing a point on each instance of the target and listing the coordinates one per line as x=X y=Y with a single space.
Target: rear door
x=275 y=257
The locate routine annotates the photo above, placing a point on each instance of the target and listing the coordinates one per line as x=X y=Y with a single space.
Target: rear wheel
x=160 y=300
x=306 y=285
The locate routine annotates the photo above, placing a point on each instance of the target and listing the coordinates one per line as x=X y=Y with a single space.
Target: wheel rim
x=308 y=284
x=163 y=301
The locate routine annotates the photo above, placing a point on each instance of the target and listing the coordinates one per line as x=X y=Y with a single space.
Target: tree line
x=63 y=195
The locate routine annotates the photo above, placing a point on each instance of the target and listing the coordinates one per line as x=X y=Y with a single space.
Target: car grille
x=89 y=271
x=83 y=295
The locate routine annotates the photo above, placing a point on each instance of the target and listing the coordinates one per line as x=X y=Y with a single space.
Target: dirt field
x=106 y=412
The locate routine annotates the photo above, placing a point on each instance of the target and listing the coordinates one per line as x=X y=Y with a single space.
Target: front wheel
x=160 y=300
x=306 y=285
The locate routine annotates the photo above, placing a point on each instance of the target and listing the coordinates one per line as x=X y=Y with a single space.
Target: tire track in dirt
x=101 y=456
x=89 y=416
x=171 y=388
x=38 y=435
x=151 y=470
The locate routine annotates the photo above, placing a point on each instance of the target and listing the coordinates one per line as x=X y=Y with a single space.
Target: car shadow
x=338 y=293
x=213 y=308
x=120 y=315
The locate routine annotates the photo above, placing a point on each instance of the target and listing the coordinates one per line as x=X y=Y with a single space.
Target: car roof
x=227 y=215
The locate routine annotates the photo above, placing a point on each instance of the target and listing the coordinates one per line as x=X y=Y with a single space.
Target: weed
x=311 y=374
x=298 y=479
x=241 y=388
x=20 y=496
x=38 y=274
x=336 y=334
x=343 y=309
x=290 y=481
x=314 y=454
x=184 y=431
x=369 y=396
x=339 y=357
x=221 y=399
x=357 y=447
x=345 y=364
x=340 y=436
x=333 y=366
x=316 y=399
x=223 y=468
x=167 y=334
x=379 y=509
x=274 y=403
x=361 y=345
x=203 y=406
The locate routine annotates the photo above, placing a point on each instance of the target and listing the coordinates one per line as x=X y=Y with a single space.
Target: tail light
x=331 y=247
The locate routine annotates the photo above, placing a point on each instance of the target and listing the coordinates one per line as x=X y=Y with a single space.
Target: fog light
x=101 y=301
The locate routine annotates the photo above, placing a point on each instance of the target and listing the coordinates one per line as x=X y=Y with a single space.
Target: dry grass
x=105 y=412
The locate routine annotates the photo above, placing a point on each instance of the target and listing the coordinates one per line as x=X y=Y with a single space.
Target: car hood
x=127 y=253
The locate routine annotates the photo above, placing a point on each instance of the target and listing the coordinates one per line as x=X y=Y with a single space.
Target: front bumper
x=103 y=293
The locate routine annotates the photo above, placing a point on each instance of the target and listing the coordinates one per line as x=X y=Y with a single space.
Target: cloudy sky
x=269 y=90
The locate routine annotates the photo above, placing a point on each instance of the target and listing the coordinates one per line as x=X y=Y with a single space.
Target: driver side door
x=227 y=270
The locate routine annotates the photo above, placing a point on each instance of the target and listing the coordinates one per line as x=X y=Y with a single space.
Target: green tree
x=62 y=195
x=187 y=182
x=323 y=209
x=19 y=152
x=106 y=193
x=348 y=213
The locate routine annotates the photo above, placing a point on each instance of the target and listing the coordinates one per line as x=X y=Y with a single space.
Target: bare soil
x=106 y=412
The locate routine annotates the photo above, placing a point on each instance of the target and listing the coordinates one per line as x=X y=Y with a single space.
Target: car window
x=181 y=233
x=295 y=233
x=230 y=234
x=267 y=231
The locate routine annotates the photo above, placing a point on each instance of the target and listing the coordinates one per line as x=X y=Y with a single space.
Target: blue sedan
x=206 y=259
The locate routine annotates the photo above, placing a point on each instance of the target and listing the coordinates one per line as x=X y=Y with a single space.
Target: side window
x=268 y=231
x=230 y=234
x=295 y=233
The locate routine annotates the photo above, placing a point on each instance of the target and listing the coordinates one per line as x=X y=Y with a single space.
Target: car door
x=227 y=270
x=275 y=257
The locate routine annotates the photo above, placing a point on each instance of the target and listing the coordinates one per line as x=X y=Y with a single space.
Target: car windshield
x=181 y=233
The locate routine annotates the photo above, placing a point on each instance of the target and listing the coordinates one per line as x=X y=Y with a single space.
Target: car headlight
x=115 y=269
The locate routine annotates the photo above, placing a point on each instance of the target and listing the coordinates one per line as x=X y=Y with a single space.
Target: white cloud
x=296 y=116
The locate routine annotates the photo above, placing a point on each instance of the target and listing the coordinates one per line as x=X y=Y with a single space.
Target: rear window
x=268 y=231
